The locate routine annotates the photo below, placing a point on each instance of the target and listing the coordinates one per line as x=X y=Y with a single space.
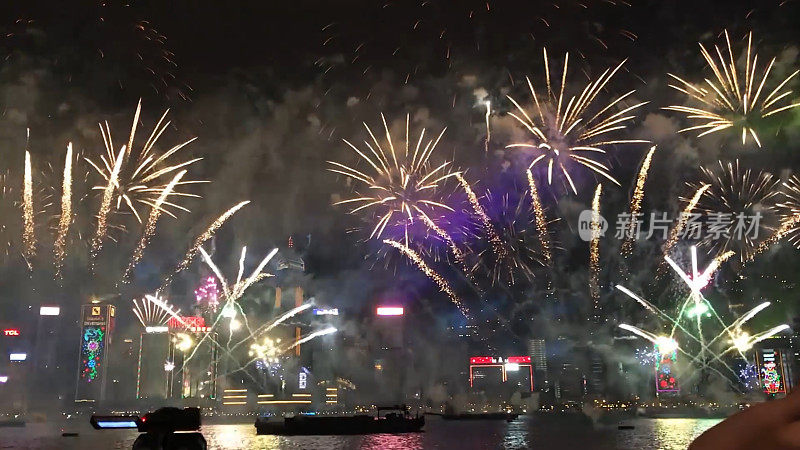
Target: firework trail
x=105 y=207
x=789 y=208
x=28 y=236
x=201 y=239
x=541 y=220
x=288 y=315
x=594 y=250
x=488 y=128
x=430 y=273
x=311 y=336
x=636 y=203
x=59 y=247
x=675 y=234
x=788 y=226
x=497 y=245
x=457 y=253
x=404 y=183
x=564 y=131
x=150 y=227
x=233 y=293
x=733 y=98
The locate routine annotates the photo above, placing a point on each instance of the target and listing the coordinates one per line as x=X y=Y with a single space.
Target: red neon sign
x=186 y=322
x=11 y=332
x=483 y=360
x=500 y=360
x=519 y=359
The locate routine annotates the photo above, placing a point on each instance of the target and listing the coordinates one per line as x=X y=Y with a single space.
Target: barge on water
x=396 y=419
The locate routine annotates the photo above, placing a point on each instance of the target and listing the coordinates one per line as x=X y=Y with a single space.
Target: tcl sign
x=11 y=332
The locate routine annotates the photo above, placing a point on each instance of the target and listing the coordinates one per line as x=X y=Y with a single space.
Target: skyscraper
x=97 y=326
x=538 y=353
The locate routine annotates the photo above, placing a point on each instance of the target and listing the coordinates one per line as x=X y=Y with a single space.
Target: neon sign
x=478 y=360
x=17 y=356
x=326 y=311
x=11 y=332
x=186 y=322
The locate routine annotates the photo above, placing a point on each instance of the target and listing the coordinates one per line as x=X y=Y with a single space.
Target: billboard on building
x=771 y=371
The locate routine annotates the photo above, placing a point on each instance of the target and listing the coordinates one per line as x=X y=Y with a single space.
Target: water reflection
x=409 y=441
x=526 y=432
x=679 y=433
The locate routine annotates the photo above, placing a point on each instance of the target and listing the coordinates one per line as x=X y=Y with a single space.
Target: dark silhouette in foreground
x=773 y=425
x=159 y=428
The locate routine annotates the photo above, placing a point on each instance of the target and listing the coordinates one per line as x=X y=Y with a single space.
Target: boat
x=396 y=419
x=508 y=417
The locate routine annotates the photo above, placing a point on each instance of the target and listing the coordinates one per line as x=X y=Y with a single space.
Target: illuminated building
x=666 y=379
x=196 y=378
x=14 y=368
x=774 y=364
x=392 y=358
x=771 y=371
x=97 y=327
x=157 y=361
x=491 y=373
x=538 y=353
x=290 y=269
x=45 y=357
x=47 y=339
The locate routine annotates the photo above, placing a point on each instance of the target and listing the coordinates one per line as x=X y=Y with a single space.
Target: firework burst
x=514 y=222
x=150 y=227
x=789 y=207
x=567 y=131
x=737 y=200
x=399 y=184
x=149 y=313
x=705 y=337
x=736 y=97
x=137 y=178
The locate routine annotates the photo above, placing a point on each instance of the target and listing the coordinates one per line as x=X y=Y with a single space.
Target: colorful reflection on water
x=540 y=433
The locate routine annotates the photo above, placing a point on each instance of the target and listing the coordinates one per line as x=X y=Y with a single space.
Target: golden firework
x=143 y=175
x=736 y=96
x=399 y=184
x=594 y=249
x=443 y=285
x=741 y=205
x=59 y=247
x=636 y=203
x=28 y=234
x=564 y=131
